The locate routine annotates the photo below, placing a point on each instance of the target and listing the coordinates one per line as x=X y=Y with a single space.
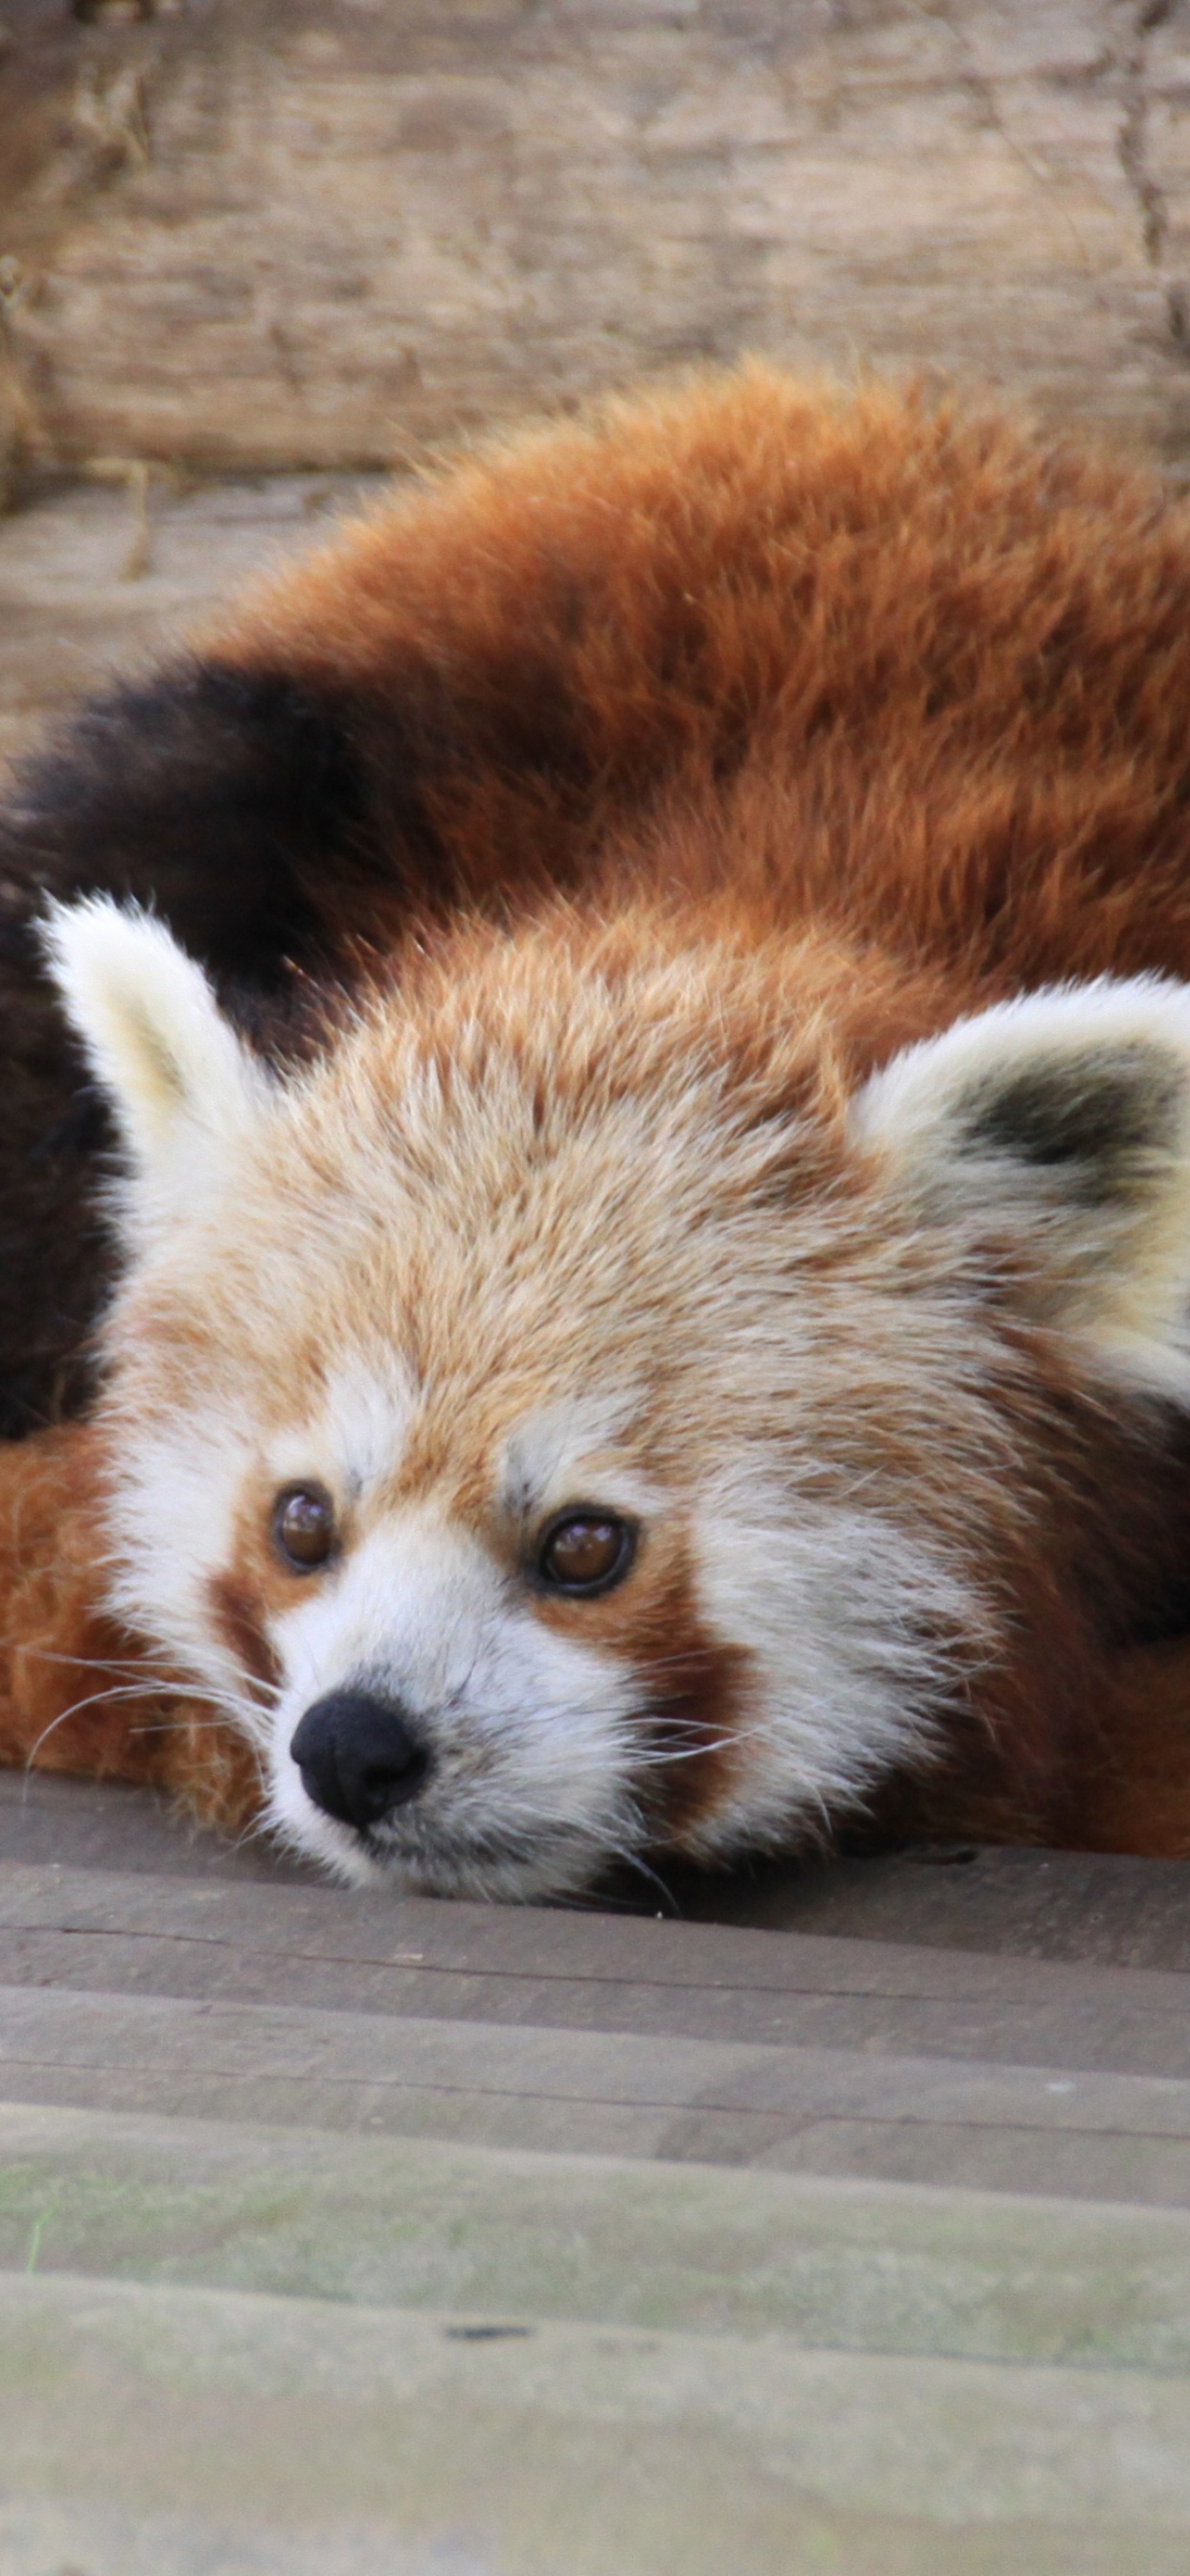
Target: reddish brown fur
x=695 y=1687
x=893 y=664
x=237 y=1618
x=894 y=700
x=61 y=1656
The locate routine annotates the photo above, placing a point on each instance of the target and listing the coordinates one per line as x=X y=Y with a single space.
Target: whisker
x=225 y=1711
x=644 y=1869
x=94 y=1699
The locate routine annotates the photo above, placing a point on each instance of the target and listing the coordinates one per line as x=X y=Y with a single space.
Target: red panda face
x=450 y=1692
x=575 y=1418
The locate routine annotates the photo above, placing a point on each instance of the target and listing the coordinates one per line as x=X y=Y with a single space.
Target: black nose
x=358 y=1757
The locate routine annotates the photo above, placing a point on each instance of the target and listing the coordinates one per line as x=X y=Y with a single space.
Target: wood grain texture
x=490 y=2233
x=606 y=2451
x=246 y=233
x=291 y=2180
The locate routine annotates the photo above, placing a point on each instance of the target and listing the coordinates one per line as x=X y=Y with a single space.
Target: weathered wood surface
x=583 y=2032
x=292 y=232
x=348 y=2233
x=598 y=2451
x=413 y=2223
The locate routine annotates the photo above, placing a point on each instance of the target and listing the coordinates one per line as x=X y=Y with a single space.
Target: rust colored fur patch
x=237 y=1619
x=78 y=1692
x=697 y=1712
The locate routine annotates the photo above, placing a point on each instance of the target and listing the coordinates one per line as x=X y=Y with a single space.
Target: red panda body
x=689 y=1335
x=911 y=677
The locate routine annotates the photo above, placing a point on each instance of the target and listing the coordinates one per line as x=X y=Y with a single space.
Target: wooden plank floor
x=364 y=2233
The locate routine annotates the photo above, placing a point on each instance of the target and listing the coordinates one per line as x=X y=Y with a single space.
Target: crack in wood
x=1133 y=149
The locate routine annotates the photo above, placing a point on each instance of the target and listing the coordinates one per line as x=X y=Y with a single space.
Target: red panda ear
x=181 y=1082
x=1059 y=1125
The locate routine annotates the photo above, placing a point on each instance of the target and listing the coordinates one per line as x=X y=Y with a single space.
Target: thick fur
x=77 y=1692
x=603 y=835
x=894 y=669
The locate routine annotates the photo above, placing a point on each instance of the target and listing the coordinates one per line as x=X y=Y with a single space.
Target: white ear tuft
x=179 y=1078
x=1060 y=1124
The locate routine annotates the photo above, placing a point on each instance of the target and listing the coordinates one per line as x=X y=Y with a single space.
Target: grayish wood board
x=566 y=2446
x=819 y=2110
x=46 y=1816
x=58 y=2539
x=375 y=1953
x=492 y=2234
x=707 y=2157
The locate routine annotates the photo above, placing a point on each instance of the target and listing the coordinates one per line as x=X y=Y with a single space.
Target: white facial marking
x=851 y=1624
x=525 y=1730
x=356 y=1438
x=568 y=1451
x=174 y=1516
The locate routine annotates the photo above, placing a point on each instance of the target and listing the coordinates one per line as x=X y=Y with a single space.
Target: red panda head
x=581 y=1414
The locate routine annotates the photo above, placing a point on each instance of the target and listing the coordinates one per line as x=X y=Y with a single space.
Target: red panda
x=642 y=1001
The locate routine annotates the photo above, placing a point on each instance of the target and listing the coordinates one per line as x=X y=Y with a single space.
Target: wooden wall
x=241 y=234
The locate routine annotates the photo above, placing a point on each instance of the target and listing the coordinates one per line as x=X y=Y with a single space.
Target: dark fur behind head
x=223 y=799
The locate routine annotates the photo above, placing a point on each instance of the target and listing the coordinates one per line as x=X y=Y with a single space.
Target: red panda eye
x=304 y=1526
x=585 y=1552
